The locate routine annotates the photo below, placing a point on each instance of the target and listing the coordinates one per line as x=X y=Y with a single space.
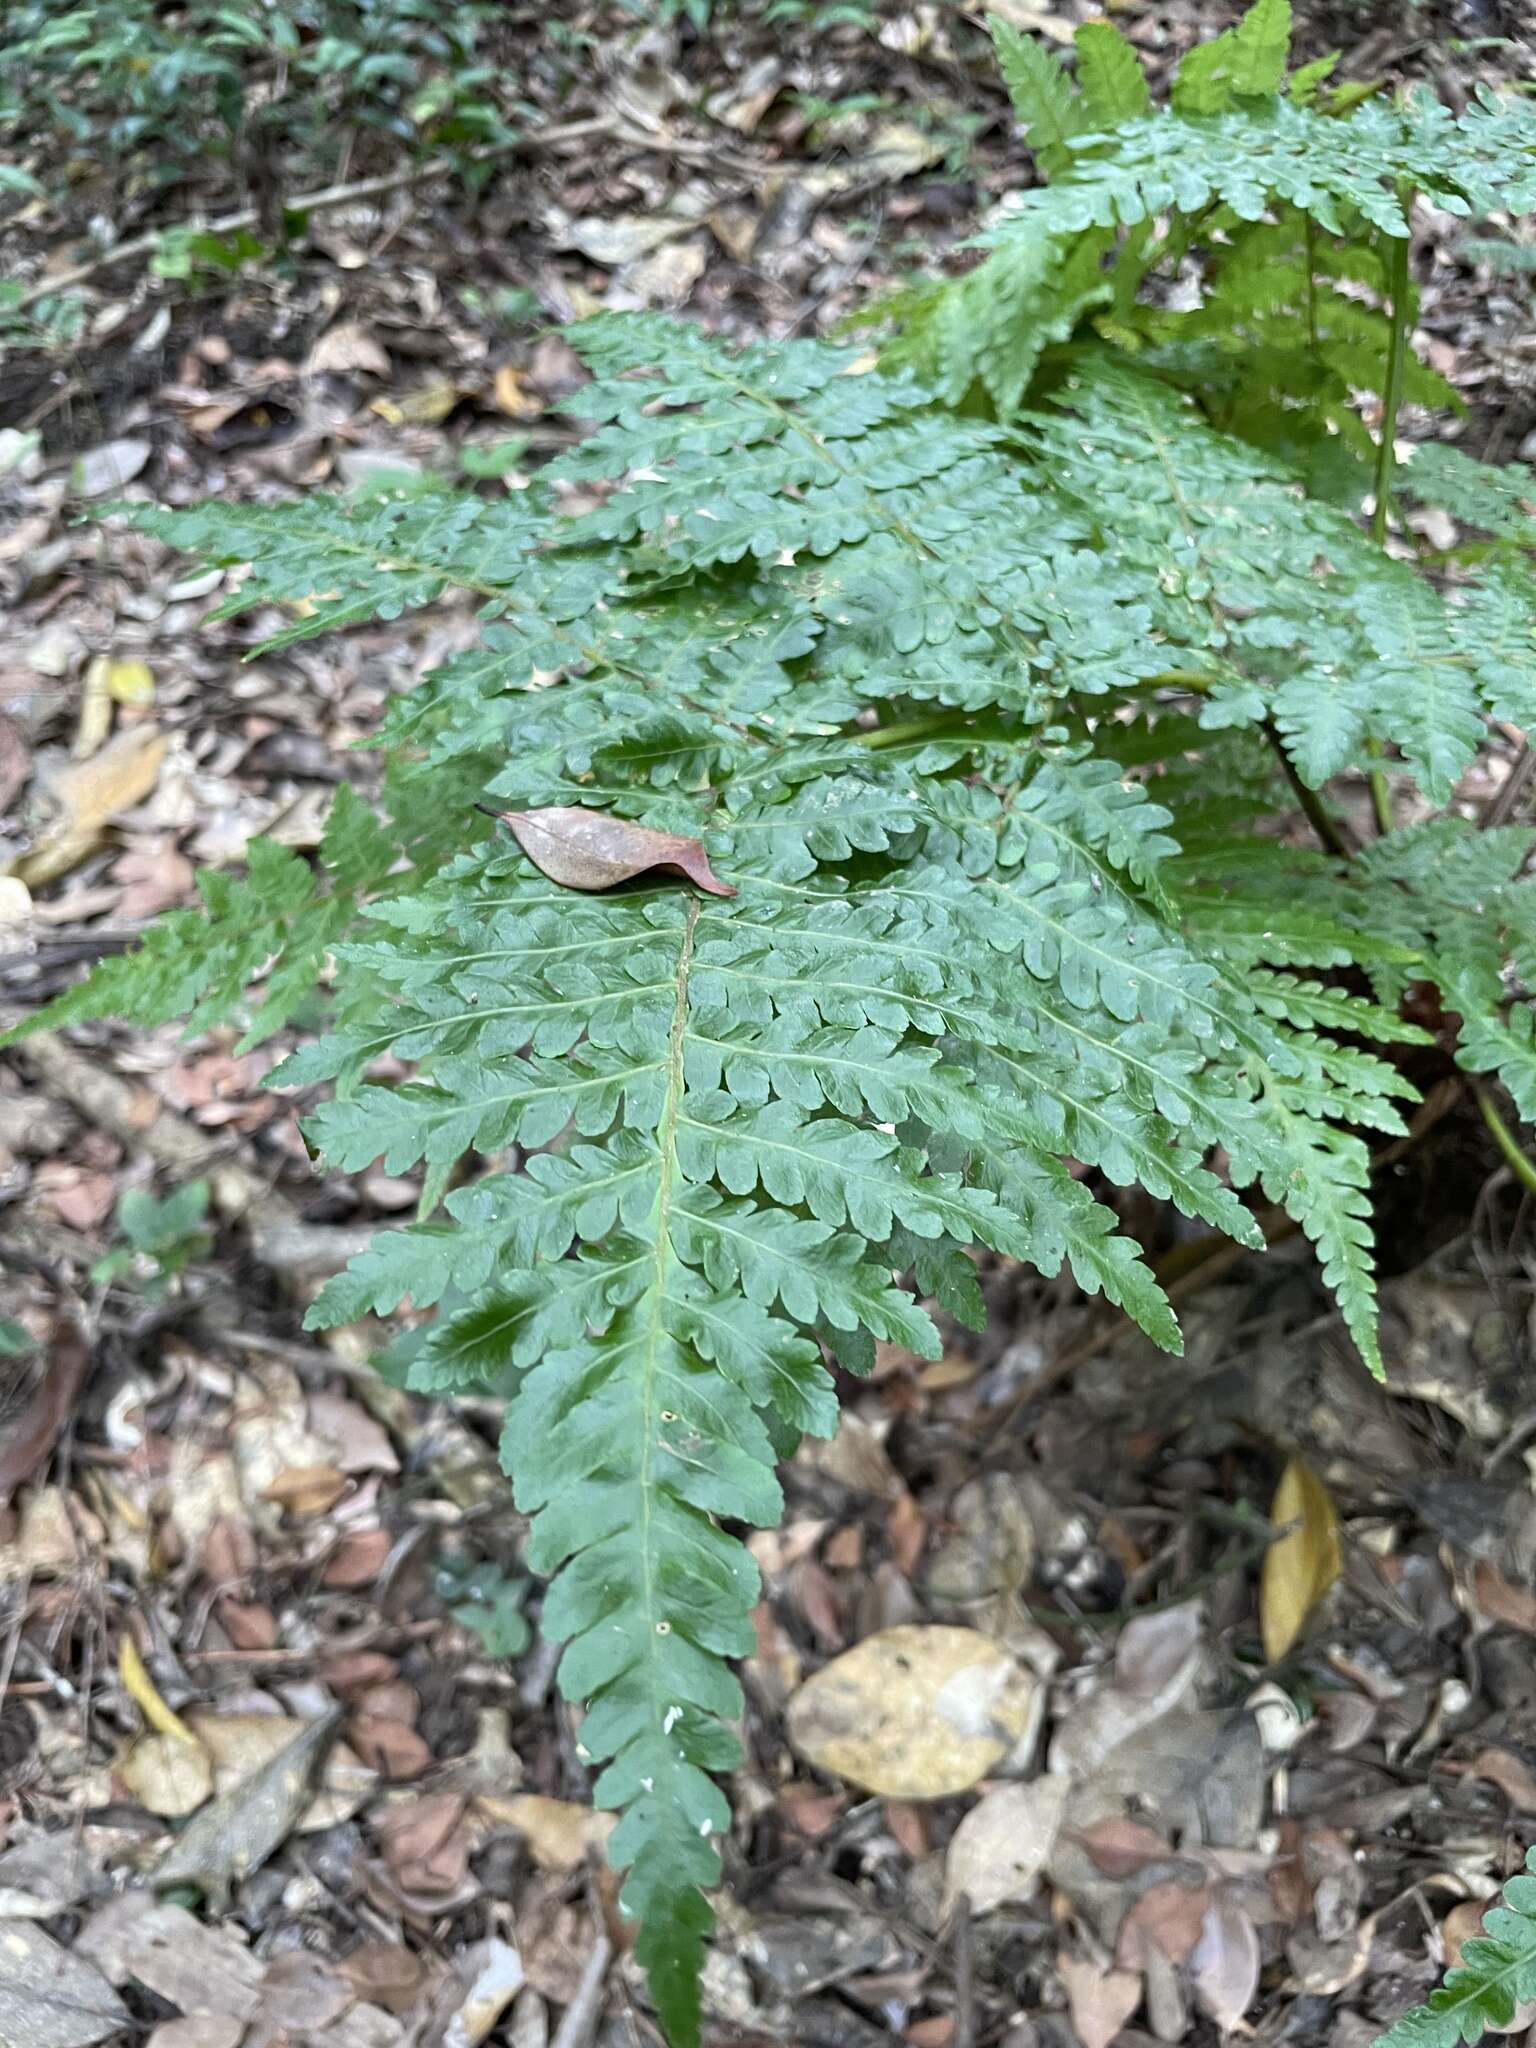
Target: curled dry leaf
x=1301 y=1565
x=1002 y=1845
x=591 y=850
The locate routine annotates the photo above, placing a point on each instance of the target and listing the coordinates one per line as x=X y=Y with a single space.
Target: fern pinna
x=973 y=670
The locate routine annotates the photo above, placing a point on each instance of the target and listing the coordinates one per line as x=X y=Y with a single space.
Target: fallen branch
x=326 y=197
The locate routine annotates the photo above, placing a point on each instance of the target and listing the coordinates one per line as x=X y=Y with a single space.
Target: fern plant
x=1495 y=1975
x=951 y=716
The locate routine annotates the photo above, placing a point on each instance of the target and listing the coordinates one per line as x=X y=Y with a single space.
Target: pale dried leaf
x=107 y=468
x=1000 y=1848
x=166 y=1775
x=51 y=1997
x=1224 y=1967
x=88 y=795
x=1101 y=2001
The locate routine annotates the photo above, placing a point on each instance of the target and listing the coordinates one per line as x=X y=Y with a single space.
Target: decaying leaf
x=238 y=1832
x=591 y=850
x=999 y=1850
x=37 y=1428
x=49 y=1997
x=1303 y=1563
x=914 y=1713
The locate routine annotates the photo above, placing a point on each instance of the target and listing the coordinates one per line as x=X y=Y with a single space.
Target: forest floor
x=224 y=1538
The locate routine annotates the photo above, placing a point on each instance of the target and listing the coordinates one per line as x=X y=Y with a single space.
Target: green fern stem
x=1518 y=1161
x=1400 y=284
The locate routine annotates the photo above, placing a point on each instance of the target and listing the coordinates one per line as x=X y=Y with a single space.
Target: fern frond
x=1496 y=1974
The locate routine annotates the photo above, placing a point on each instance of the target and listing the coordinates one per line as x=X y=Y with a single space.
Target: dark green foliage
x=988 y=681
x=169 y=87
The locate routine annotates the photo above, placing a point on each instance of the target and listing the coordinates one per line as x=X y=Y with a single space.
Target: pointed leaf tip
x=592 y=850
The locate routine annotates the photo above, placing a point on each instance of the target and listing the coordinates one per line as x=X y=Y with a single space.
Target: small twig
x=965 y=1975
x=585 y=2009
x=1503 y=803
x=310 y=202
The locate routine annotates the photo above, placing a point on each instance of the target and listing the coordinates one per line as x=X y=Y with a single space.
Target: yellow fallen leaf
x=95 y=720
x=1304 y=1562
x=131 y=682
x=513 y=396
x=914 y=1712
x=422 y=408
x=140 y=1688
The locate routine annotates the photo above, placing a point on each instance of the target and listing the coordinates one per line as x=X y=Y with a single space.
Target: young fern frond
x=1496 y=1975
x=973 y=716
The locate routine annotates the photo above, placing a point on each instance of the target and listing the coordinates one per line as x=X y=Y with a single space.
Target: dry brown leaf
x=389 y=1747
x=199 y=2030
x=1119 y=1846
x=109 y=467
x=386 y=1974
x=592 y=850
x=990 y=1545
x=1513 y=1777
x=425 y=1843
x=1515 y=1606
x=1101 y=2001
x=88 y=795
x=1000 y=1848
x=358 y=1558
x=153 y=878
x=1301 y=1565
x=1172 y=1915
x=37 y=1428
x=195 y=1967
x=494 y=1971
x=914 y=1712
x=242 y=1744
